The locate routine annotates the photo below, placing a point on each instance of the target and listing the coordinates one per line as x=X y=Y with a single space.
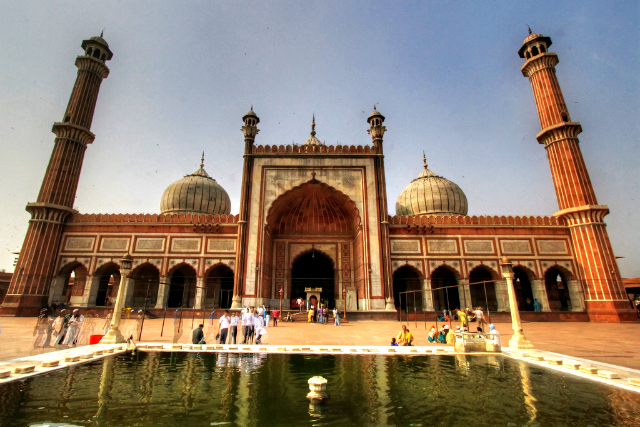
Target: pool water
x=191 y=389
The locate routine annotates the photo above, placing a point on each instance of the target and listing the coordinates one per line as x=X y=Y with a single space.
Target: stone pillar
x=540 y=293
x=427 y=299
x=518 y=340
x=464 y=293
x=200 y=294
x=90 y=291
x=163 y=293
x=575 y=293
x=501 y=295
x=57 y=285
x=128 y=284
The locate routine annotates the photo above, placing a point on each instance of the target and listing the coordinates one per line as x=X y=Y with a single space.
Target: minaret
x=377 y=130
x=597 y=268
x=29 y=286
x=250 y=130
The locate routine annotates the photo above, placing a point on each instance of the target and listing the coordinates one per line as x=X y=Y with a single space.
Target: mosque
x=313 y=223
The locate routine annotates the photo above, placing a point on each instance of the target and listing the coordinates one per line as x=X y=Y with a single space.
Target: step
x=632 y=381
x=5 y=374
x=70 y=359
x=556 y=362
x=86 y=356
x=24 y=369
x=588 y=370
x=609 y=375
x=50 y=363
x=570 y=364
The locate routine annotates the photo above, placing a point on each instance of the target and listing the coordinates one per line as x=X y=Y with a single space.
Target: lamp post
x=114 y=335
x=280 y=292
x=518 y=340
x=344 y=300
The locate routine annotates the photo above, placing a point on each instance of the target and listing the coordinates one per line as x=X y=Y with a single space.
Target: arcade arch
x=182 y=287
x=219 y=287
x=406 y=279
x=75 y=279
x=444 y=285
x=556 y=284
x=482 y=288
x=522 y=285
x=108 y=277
x=146 y=280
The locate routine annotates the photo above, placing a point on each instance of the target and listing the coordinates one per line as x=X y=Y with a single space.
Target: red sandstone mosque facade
x=316 y=216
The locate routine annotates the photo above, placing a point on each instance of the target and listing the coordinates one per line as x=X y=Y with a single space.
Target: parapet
x=156 y=218
x=526 y=221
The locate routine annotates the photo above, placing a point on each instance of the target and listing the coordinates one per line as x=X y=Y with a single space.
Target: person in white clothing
x=233 y=327
x=223 y=327
x=247 y=325
x=494 y=334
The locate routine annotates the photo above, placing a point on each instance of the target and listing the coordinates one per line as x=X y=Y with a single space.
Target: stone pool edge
x=612 y=375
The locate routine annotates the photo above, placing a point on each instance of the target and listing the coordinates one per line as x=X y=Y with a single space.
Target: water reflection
x=255 y=389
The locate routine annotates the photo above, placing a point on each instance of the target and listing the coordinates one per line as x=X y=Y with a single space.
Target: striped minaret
x=29 y=287
x=597 y=268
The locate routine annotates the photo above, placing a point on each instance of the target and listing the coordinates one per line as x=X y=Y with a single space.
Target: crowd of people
x=445 y=335
x=321 y=315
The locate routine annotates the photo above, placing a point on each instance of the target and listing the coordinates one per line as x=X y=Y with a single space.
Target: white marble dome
x=197 y=193
x=430 y=194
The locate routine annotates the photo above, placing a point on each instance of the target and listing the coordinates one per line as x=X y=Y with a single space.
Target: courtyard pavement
x=611 y=343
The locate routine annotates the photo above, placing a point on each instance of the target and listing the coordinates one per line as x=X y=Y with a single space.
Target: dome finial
x=202 y=160
x=529 y=29
x=424 y=159
x=313 y=125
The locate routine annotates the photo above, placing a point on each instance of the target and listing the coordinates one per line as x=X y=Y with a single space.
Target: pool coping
x=612 y=375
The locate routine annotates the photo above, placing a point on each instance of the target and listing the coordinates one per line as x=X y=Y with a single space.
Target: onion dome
x=197 y=193
x=313 y=140
x=430 y=194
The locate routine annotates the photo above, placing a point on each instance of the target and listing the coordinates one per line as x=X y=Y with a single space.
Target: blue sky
x=445 y=74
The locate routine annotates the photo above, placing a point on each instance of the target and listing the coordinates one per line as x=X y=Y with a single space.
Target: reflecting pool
x=191 y=389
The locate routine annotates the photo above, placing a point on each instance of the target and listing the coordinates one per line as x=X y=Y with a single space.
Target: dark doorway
x=479 y=297
x=524 y=293
x=557 y=290
x=219 y=285
x=146 y=281
x=313 y=270
x=176 y=290
x=108 y=284
x=445 y=289
x=407 y=279
x=182 y=289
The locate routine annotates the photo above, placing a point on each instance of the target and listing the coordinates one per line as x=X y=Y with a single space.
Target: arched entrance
x=219 y=283
x=483 y=294
x=182 y=287
x=313 y=269
x=145 y=285
x=75 y=279
x=108 y=284
x=406 y=279
x=445 y=289
x=555 y=282
x=310 y=215
x=522 y=286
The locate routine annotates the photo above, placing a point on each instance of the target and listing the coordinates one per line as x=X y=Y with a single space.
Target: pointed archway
x=313 y=269
x=310 y=214
x=405 y=280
